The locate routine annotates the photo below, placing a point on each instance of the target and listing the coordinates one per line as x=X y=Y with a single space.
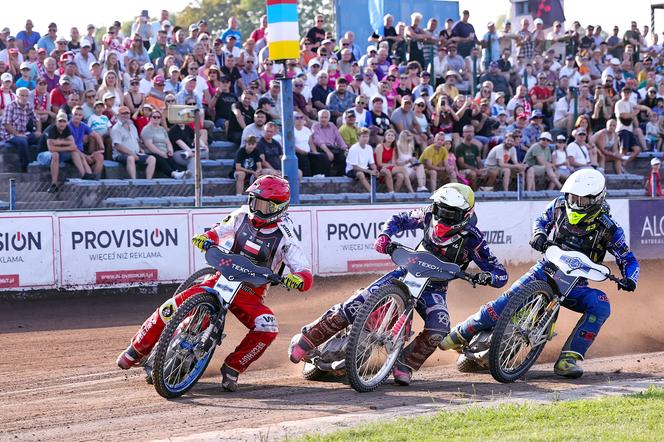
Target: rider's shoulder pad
x=287 y=227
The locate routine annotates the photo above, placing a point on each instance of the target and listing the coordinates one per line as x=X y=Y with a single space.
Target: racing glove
x=202 y=242
x=538 y=242
x=483 y=278
x=627 y=285
x=381 y=243
x=292 y=281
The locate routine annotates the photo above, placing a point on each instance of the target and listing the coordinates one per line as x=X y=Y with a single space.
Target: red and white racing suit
x=271 y=246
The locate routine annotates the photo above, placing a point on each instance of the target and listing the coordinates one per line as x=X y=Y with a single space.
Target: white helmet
x=452 y=208
x=585 y=191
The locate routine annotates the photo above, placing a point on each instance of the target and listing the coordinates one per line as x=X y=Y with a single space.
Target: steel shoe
x=128 y=358
x=402 y=374
x=568 y=365
x=453 y=341
x=299 y=348
x=229 y=378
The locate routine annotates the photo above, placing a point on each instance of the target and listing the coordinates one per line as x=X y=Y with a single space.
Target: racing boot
x=453 y=341
x=229 y=378
x=315 y=334
x=402 y=374
x=128 y=358
x=568 y=365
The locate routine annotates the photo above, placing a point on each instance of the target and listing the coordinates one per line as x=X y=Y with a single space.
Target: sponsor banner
x=646 y=221
x=203 y=220
x=27 y=251
x=125 y=247
x=506 y=226
x=345 y=238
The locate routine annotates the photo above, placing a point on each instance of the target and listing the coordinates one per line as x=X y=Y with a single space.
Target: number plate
x=226 y=289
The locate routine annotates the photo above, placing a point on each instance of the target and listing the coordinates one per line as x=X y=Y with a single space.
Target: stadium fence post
x=198 y=182
x=12 y=194
x=373 y=189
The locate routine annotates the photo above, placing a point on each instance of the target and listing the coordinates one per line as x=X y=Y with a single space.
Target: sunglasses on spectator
x=193 y=68
x=344 y=44
x=420 y=104
x=298 y=85
x=268 y=63
x=299 y=117
x=403 y=78
x=156 y=117
x=362 y=103
x=124 y=113
x=169 y=101
x=90 y=96
x=249 y=62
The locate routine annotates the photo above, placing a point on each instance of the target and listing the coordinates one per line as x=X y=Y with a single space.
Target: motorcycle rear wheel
x=176 y=366
x=372 y=350
x=511 y=354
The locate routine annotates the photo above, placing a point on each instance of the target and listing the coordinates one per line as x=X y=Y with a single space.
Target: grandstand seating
x=117 y=191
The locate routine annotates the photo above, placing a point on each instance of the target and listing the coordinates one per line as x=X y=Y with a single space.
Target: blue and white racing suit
x=462 y=248
x=593 y=237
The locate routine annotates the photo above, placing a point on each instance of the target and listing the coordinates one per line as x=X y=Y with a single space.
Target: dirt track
x=58 y=380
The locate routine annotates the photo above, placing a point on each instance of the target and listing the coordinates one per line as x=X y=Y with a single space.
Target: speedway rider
x=450 y=233
x=580 y=221
x=261 y=231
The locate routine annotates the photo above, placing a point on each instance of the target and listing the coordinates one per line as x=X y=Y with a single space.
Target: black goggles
x=450 y=216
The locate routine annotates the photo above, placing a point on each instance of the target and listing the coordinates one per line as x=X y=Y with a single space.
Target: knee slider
x=167 y=310
x=266 y=323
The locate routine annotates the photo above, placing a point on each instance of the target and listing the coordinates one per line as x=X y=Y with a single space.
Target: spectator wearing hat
x=188 y=91
x=83 y=135
x=148 y=75
x=126 y=146
x=349 y=130
x=27 y=38
x=59 y=95
x=7 y=95
x=83 y=59
x=379 y=122
x=531 y=133
x=577 y=150
x=653 y=179
x=111 y=84
x=11 y=54
x=172 y=84
x=257 y=128
x=70 y=70
x=21 y=126
x=25 y=79
x=59 y=142
x=539 y=161
x=230 y=47
x=133 y=98
x=339 y=100
x=47 y=42
x=424 y=86
x=463 y=34
x=189 y=42
x=90 y=37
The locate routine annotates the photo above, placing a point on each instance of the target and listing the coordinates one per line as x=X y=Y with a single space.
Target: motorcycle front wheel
x=512 y=353
x=374 y=342
x=197 y=277
x=180 y=358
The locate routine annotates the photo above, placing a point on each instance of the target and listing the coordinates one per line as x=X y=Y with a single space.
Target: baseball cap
x=159 y=79
x=569 y=57
x=225 y=78
x=655 y=161
x=5 y=31
x=86 y=44
x=193 y=27
x=147 y=66
x=11 y=38
x=61 y=40
x=108 y=95
x=165 y=23
x=350 y=113
x=65 y=79
x=25 y=65
x=536 y=114
x=358 y=76
x=313 y=62
x=189 y=78
x=493 y=64
x=538 y=21
x=484 y=101
x=502 y=112
x=420 y=100
x=578 y=131
x=615 y=62
x=546 y=136
x=6 y=77
x=61 y=116
x=561 y=138
x=173 y=69
x=371 y=48
x=91 y=26
x=425 y=74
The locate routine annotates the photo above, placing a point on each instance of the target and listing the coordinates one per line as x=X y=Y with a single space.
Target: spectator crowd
x=428 y=102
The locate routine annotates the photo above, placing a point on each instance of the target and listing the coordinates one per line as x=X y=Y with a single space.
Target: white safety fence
x=102 y=248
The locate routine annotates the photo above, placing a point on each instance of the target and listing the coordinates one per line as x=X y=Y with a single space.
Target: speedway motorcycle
x=383 y=323
x=190 y=338
x=528 y=320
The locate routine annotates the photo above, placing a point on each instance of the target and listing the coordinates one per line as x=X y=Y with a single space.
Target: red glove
x=381 y=243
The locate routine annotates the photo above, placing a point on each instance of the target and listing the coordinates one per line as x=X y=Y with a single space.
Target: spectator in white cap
x=188 y=91
x=173 y=84
x=90 y=37
x=7 y=95
x=654 y=179
x=111 y=84
x=371 y=53
x=577 y=150
x=540 y=163
x=491 y=46
x=84 y=59
x=539 y=37
x=25 y=80
x=146 y=82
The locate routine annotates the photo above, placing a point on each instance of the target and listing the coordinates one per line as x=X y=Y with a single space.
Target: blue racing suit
x=593 y=237
x=462 y=248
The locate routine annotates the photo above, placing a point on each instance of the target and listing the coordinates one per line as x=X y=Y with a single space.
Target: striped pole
x=283 y=35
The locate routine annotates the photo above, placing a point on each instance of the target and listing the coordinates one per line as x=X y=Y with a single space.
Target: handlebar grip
x=391 y=247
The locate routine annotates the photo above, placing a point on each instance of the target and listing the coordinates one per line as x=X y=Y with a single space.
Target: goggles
x=265 y=207
x=576 y=202
x=450 y=216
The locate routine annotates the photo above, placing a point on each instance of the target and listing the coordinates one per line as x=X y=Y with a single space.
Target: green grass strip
x=635 y=417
